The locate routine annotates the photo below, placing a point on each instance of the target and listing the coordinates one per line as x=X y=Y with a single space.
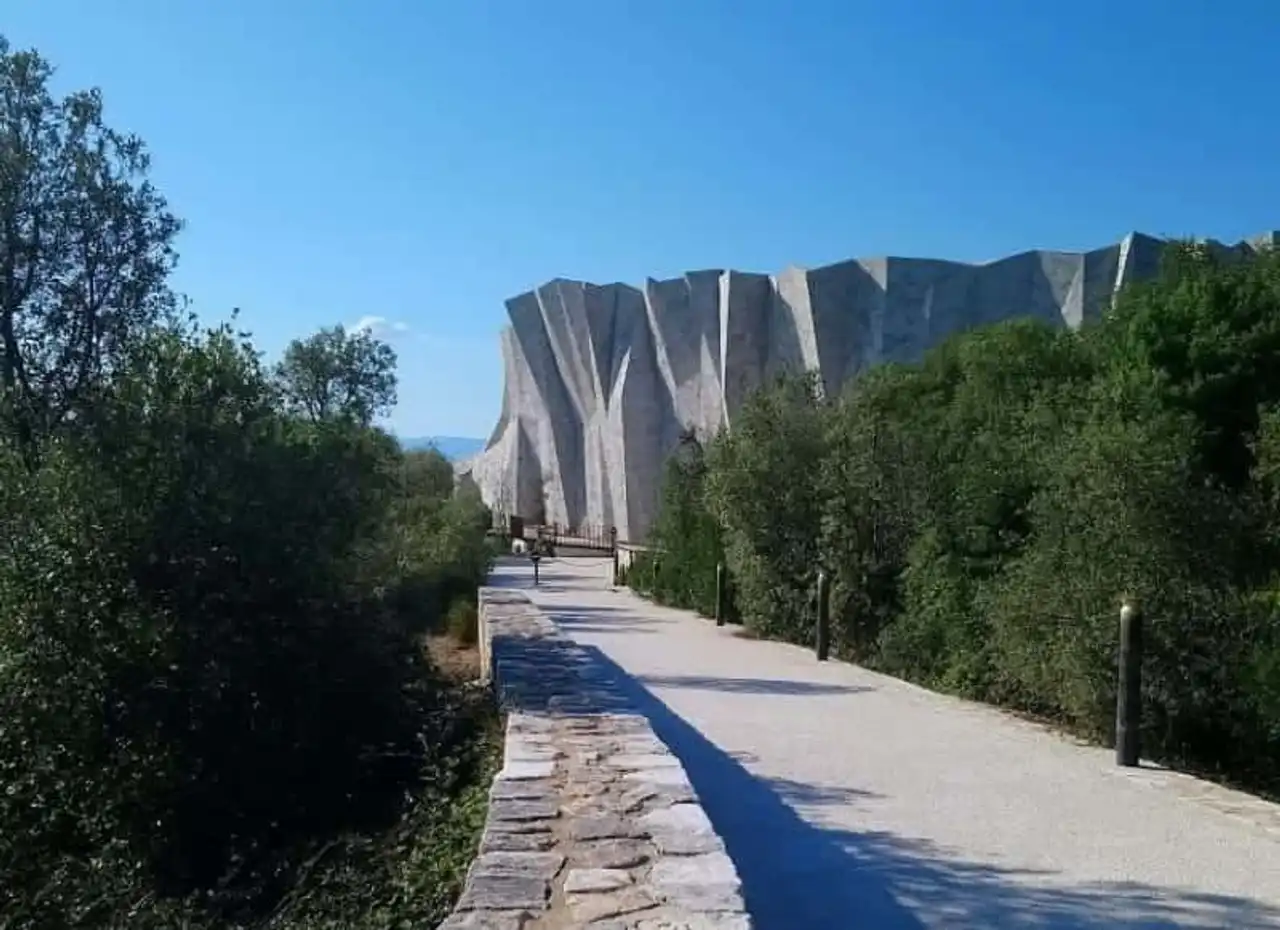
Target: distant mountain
x=454 y=448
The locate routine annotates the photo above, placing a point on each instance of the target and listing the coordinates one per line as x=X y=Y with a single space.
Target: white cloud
x=380 y=327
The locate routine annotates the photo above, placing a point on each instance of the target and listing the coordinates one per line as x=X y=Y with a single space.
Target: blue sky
x=421 y=162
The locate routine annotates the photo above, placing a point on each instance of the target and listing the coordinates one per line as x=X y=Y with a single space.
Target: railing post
x=1129 y=687
x=722 y=594
x=822 y=637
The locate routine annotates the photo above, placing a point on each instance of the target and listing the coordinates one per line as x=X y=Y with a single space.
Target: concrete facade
x=602 y=381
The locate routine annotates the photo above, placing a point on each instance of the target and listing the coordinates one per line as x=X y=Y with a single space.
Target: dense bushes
x=686 y=526
x=199 y=675
x=214 y=707
x=982 y=513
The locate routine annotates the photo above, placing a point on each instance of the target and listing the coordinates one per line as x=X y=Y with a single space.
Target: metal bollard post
x=722 y=594
x=1129 y=687
x=822 y=640
x=613 y=547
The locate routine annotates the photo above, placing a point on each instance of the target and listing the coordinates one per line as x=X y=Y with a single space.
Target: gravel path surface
x=849 y=799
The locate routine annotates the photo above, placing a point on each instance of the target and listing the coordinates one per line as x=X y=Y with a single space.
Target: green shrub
x=686 y=535
x=762 y=488
x=211 y=578
x=982 y=513
x=463 y=622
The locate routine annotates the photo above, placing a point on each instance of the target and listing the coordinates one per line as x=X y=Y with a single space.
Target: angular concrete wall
x=602 y=381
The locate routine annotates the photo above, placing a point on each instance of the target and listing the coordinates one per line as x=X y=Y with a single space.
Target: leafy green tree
x=336 y=373
x=428 y=475
x=1208 y=333
x=212 y=707
x=872 y=481
x=762 y=487
x=434 y=542
x=982 y=408
x=685 y=534
x=983 y=512
x=86 y=246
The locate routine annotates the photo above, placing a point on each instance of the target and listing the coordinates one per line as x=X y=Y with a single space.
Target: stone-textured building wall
x=592 y=821
x=602 y=381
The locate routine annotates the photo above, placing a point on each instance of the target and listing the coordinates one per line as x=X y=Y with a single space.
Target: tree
x=762 y=487
x=686 y=533
x=213 y=708
x=981 y=513
x=339 y=374
x=86 y=247
x=873 y=479
x=1208 y=332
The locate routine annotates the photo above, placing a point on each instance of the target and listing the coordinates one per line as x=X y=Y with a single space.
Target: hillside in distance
x=454 y=448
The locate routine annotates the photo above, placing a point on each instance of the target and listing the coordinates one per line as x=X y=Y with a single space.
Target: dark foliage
x=214 y=706
x=983 y=513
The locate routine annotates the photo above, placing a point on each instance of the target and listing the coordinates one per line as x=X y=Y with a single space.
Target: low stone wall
x=592 y=821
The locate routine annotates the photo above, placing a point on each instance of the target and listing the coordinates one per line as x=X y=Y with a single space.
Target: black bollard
x=1129 y=687
x=535 y=558
x=822 y=640
x=722 y=594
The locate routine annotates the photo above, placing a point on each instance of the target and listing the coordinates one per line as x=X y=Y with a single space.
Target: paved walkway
x=852 y=800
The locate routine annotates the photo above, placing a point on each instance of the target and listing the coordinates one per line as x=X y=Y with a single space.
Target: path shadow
x=798 y=875
x=797 y=792
x=599 y=620
x=748 y=685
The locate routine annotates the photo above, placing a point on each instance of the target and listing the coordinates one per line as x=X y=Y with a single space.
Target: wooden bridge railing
x=597 y=537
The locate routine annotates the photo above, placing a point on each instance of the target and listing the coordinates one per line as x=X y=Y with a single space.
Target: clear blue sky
x=423 y=161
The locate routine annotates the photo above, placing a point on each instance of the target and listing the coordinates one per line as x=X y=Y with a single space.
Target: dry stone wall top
x=592 y=821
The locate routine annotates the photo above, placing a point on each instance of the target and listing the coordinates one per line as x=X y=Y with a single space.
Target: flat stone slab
x=707 y=869
x=590 y=908
x=514 y=811
x=651 y=795
x=520 y=768
x=687 y=844
x=603 y=828
x=683 y=818
x=518 y=826
x=651 y=760
x=487 y=892
x=667 y=776
x=682 y=830
x=502 y=841
x=535 y=789
x=487 y=920
x=702 y=898
x=592 y=881
x=666 y=918
x=544 y=865
x=677 y=920
x=611 y=854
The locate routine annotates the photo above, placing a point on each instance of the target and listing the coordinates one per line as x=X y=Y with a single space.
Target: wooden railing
x=593 y=537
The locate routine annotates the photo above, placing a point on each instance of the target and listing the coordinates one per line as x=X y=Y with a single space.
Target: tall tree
x=86 y=246
x=336 y=373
